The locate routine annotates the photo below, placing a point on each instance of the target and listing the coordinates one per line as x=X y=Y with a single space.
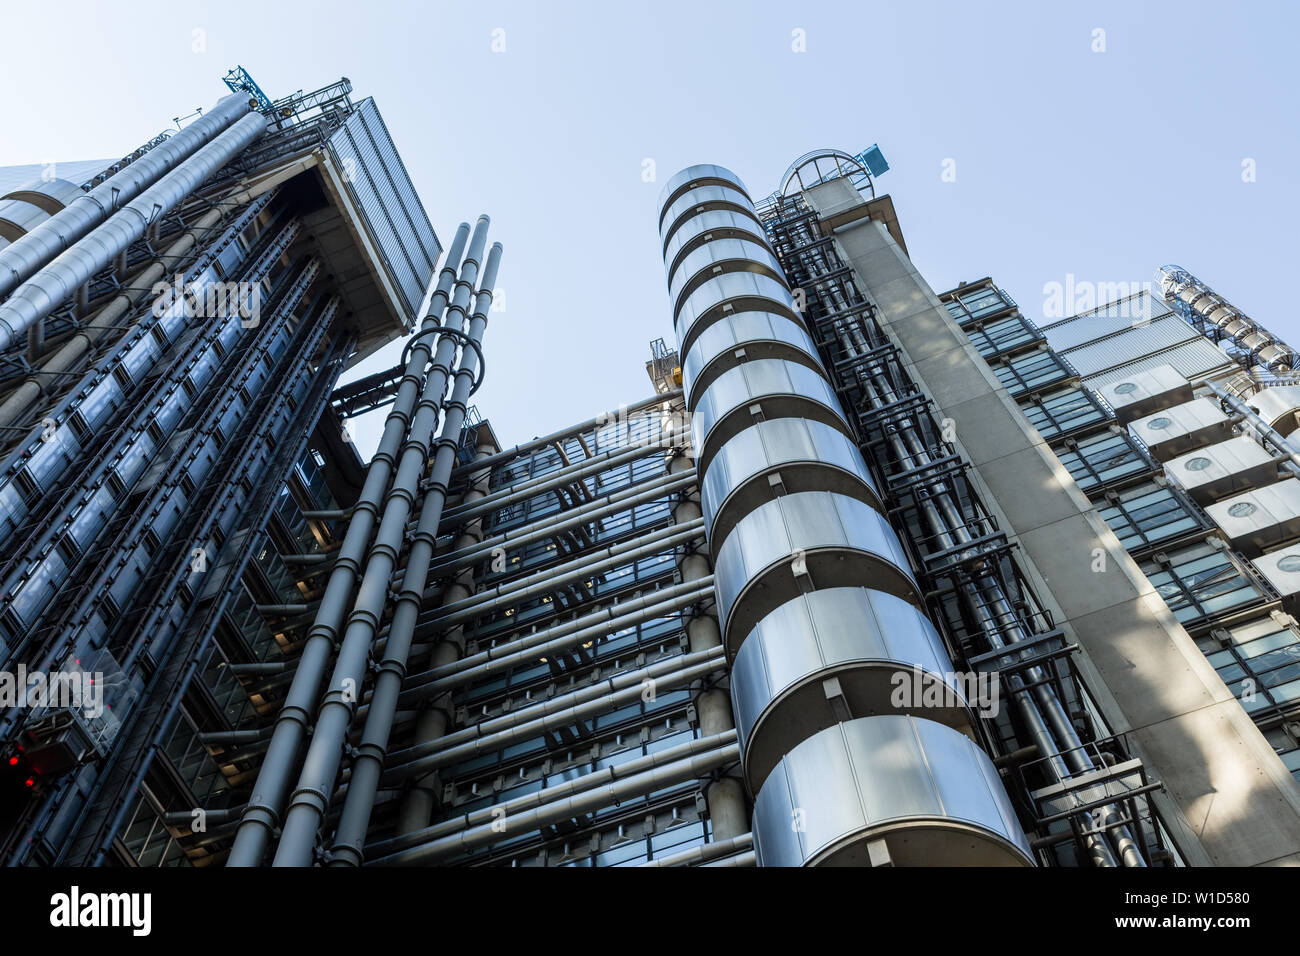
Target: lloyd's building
x=870 y=576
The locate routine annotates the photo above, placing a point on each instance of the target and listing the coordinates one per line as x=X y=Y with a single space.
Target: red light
x=30 y=782
x=13 y=761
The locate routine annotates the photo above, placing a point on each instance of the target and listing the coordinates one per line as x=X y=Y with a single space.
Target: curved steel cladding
x=58 y=281
x=76 y=214
x=819 y=610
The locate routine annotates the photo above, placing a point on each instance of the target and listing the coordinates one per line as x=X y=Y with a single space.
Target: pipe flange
x=464 y=339
x=410 y=343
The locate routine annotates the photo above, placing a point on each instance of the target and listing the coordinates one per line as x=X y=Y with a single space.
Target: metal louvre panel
x=812 y=539
x=1196 y=359
x=862 y=639
x=393 y=213
x=1079 y=331
x=378 y=204
x=924 y=789
x=802 y=455
x=1143 y=306
x=1122 y=347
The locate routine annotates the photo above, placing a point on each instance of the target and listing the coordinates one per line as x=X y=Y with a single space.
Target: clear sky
x=1068 y=159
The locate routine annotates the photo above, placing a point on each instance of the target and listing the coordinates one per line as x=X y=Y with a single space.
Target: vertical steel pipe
x=349 y=842
x=261 y=816
x=320 y=768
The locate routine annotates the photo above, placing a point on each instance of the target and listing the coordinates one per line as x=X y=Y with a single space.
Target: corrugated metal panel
x=1193 y=360
x=1076 y=332
x=1141 y=306
x=1130 y=345
x=382 y=189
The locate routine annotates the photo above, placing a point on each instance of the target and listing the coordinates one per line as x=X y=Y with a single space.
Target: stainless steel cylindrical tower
x=856 y=739
x=1220 y=318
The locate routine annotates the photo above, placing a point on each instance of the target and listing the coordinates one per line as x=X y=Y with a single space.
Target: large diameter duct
x=261 y=816
x=562 y=637
x=349 y=842
x=1192 y=297
x=320 y=768
x=547 y=579
x=799 y=522
x=551 y=480
x=552 y=715
x=547 y=527
x=107 y=317
x=57 y=282
x=29 y=253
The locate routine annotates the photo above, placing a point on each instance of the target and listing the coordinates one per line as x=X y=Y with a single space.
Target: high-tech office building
x=868 y=576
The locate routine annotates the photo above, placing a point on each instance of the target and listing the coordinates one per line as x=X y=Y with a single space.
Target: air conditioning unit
x=1281 y=568
x=1260 y=519
x=1145 y=393
x=1182 y=428
x=1217 y=471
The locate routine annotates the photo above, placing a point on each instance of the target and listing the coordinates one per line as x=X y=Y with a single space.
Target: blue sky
x=1103 y=165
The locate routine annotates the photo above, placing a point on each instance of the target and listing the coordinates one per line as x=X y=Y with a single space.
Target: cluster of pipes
x=47 y=265
x=1108 y=841
x=312 y=727
x=1197 y=301
x=320 y=724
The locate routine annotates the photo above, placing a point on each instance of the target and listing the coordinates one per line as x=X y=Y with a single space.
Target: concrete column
x=725 y=796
